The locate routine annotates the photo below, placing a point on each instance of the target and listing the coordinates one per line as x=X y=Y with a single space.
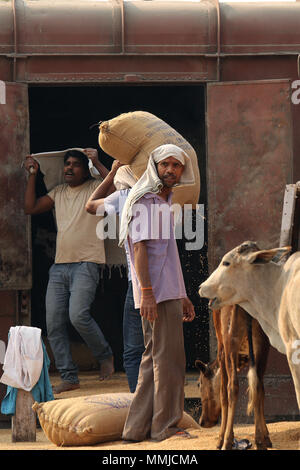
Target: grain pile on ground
x=284 y=435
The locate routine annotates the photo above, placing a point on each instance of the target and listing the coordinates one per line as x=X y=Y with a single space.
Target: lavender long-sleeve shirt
x=153 y=222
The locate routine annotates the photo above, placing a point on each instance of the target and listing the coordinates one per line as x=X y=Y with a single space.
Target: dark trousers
x=133 y=339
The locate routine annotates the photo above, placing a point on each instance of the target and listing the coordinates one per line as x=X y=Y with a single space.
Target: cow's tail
x=252 y=373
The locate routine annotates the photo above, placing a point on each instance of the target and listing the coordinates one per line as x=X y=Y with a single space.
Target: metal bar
x=123 y=25
x=15 y=39
x=144 y=54
x=218 y=39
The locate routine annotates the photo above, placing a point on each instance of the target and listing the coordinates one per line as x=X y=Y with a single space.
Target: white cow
x=268 y=291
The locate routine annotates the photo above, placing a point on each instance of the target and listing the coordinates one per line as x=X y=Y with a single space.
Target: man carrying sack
x=74 y=276
x=159 y=292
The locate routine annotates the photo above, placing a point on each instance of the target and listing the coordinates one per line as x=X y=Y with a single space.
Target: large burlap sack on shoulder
x=88 y=420
x=131 y=137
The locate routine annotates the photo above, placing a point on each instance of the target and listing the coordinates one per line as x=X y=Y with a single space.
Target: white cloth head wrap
x=151 y=183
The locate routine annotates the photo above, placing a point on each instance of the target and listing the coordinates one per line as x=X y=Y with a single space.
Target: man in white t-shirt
x=74 y=276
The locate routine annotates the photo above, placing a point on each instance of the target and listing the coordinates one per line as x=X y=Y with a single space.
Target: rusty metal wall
x=112 y=27
x=15 y=240
x=261 y=28
x=15 y=234
x=261 y=68
x=8 y=310
x=250 y=161
x=105 y=41
x=158 y=26
x=249 y=135
x=149 y=42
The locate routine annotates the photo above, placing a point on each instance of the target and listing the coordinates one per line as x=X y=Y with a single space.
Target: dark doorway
x=60 y=117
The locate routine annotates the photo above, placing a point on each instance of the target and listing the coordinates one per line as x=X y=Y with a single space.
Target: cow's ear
x=201 y=366
x=265 y=256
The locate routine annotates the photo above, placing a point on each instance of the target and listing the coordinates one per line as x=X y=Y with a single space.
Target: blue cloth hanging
x=41 y=392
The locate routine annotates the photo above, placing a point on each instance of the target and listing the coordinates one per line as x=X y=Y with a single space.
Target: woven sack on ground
x=89 y=420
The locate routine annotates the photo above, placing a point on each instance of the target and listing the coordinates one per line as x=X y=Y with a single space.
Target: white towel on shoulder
x=23 y=359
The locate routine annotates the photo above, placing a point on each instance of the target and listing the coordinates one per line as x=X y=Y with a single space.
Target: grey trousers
x=158 y=403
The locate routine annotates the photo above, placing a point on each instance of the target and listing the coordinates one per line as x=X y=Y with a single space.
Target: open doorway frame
x=60 y=117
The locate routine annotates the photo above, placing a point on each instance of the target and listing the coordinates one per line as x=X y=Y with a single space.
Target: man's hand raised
x=31 y=165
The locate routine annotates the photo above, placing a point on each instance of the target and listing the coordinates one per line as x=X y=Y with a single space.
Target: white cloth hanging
x=23 y=359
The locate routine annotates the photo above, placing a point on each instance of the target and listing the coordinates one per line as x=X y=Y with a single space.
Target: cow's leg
x=232 y=393
x=290 y=337
x=224 y=400
x=294 y=364
x=218 y=317
x=262 y=440
x=233 y=333
x=261 y=349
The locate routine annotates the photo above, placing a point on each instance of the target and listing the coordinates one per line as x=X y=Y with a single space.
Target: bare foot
x=65 y=387
x=106 y=368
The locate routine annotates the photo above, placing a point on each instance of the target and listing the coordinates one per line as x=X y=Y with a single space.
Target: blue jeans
x=133 y=339
x=70 y=293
